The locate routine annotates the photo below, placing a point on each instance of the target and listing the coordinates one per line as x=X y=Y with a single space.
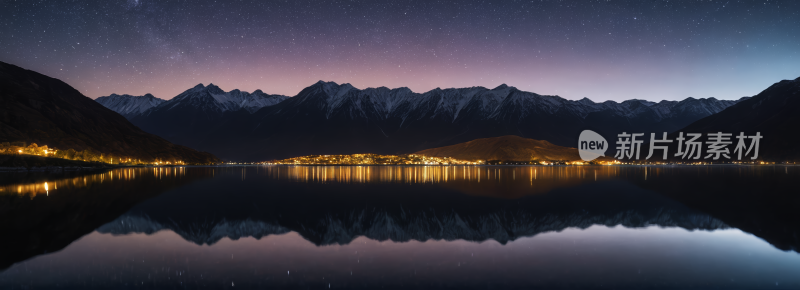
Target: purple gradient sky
x=603 y=50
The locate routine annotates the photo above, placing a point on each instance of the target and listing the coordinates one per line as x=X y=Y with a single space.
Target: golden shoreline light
x=8 y=148
x=373 y=159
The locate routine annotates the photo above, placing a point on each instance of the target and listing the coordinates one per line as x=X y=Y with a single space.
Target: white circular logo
x=591 y=145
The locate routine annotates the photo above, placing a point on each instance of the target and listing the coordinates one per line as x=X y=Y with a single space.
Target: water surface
x=494 y=227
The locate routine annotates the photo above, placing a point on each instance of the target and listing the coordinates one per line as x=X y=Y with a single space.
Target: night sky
x=602 y=50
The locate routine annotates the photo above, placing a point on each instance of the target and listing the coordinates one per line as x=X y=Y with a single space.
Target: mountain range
x=331 y=118
x=35 y=108
x=208 y=99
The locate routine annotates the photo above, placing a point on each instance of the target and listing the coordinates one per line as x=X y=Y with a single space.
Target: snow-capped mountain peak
x=502 y=102
x=209 y=98
x=501 y=87
x=128 y=105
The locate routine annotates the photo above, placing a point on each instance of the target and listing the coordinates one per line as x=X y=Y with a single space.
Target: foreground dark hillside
x=774 y=114
x=35 y=108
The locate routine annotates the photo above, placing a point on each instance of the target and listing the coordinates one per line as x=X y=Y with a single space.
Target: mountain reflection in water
x=421 y=206
x=44 y=212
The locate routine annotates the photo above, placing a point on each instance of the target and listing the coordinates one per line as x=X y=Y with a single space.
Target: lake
x=409 y=227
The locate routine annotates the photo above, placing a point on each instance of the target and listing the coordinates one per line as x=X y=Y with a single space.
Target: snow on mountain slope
x=128 y=105
x=204 y=98
x=258 y=99
x=502 y=102
x=212 y=98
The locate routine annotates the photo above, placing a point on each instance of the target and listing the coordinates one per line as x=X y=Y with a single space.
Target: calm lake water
x=409 y=227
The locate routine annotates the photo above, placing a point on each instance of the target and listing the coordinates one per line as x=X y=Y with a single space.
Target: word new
x=628 y=146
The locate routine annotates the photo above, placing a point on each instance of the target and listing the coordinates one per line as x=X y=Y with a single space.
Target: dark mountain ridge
x=328 y=118
x=189 y=117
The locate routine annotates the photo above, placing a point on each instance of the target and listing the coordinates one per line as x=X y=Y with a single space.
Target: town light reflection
x=514 y=180
x=498 y=181
x=122 y=174
x=439 y=174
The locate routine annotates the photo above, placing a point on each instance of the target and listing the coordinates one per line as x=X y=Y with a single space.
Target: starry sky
x=603 y=50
